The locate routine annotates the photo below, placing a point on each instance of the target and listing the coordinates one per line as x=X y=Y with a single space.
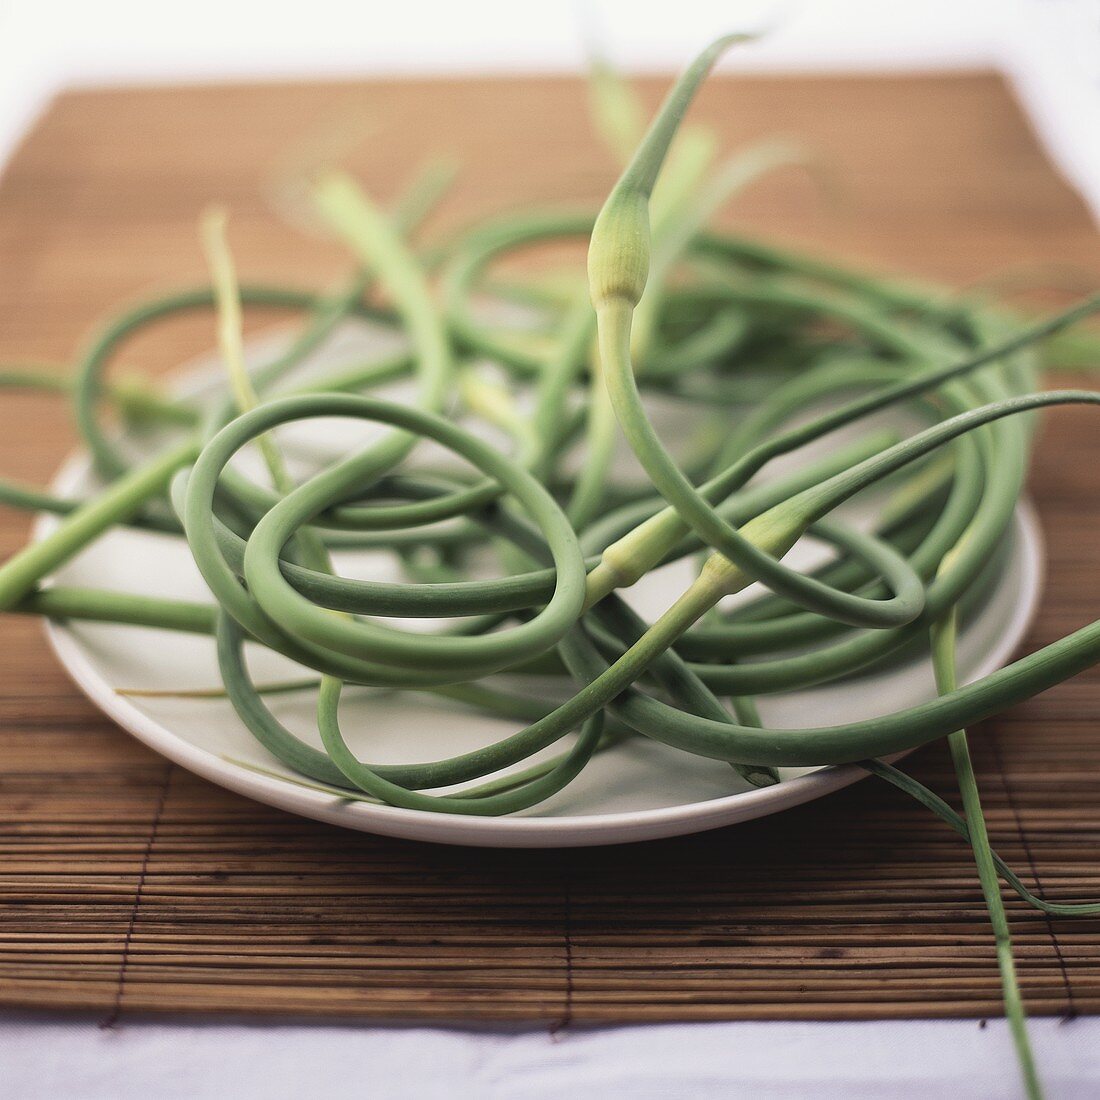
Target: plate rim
x=568 y=831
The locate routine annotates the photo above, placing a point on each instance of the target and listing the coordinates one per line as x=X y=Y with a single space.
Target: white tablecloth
x=71 y=1058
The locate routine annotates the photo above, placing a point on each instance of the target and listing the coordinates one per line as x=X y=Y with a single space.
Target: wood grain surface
x=128 y=884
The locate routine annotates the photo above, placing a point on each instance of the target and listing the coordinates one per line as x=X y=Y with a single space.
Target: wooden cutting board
x=127 y=884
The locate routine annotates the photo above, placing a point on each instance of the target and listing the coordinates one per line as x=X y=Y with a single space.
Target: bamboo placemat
x=128 y=884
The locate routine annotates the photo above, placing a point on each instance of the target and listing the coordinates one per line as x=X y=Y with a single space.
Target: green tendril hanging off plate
x=767 y=350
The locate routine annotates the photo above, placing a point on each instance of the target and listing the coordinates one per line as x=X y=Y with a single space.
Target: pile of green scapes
x=755 y=339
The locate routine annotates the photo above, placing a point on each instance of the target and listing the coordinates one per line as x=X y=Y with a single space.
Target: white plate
x=639 y=791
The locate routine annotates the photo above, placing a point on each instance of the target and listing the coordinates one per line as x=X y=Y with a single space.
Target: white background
x=1051 y=47
x=45 y=43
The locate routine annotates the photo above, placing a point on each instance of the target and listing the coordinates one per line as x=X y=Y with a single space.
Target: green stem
x=118 y=502
x=943 y=662
x=96 y=605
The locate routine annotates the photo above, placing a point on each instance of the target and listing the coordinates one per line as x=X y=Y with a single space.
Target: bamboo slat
x=127 y=884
